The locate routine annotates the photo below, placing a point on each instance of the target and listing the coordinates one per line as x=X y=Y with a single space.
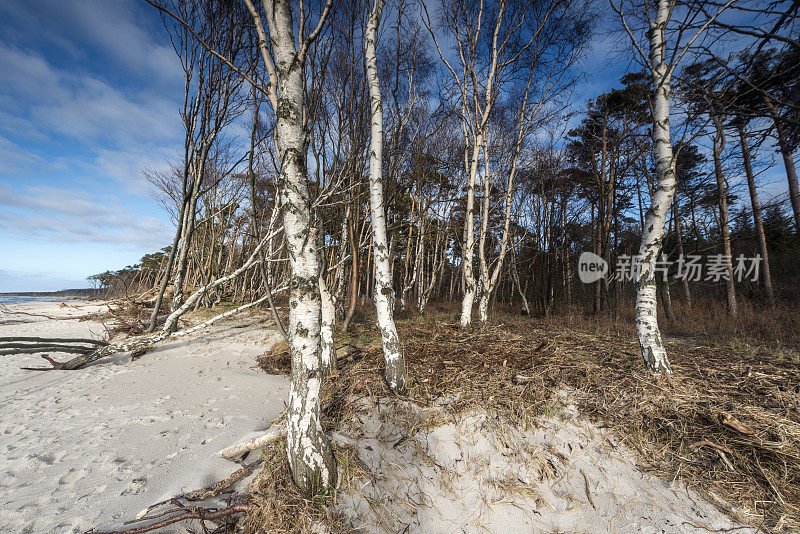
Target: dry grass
x=704 y=319
x=727 y=422
x=279 y=507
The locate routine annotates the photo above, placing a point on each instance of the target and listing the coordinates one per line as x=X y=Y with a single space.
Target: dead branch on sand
x=87 y=355
x=183 y=514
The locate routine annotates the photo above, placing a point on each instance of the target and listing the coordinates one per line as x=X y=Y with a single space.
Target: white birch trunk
x=328 y=314
x=653 y=352
x=384 y=291
x=468 y=248
x=308 y=450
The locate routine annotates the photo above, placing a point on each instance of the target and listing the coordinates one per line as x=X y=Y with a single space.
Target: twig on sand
x=588 y=492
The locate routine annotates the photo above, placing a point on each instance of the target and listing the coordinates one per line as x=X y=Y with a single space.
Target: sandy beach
x=94 y=447
x=91 y=448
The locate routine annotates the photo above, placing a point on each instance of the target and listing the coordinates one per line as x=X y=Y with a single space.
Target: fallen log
x=102 y=352
x=54 y=340
x=24 y=348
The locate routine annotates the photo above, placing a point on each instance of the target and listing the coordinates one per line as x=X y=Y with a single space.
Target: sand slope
x=428 y=471
x=93 y=447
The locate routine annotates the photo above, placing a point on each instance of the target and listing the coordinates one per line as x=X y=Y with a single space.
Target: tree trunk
x=384 y=291
x=678 y=236
x=788 y=162
x=757 y=220
x=725 y=232
x=186 y=235
x=327 y=325
x=353 y=279
x=652 y=347
x=666 y=301
x=469 y=237
x=167 y=270
x=309 y=453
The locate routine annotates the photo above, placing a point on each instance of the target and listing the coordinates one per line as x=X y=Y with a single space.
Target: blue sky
x=89 y=99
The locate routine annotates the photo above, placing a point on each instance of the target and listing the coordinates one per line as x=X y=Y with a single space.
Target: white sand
x=93 y=447
x=434 y=473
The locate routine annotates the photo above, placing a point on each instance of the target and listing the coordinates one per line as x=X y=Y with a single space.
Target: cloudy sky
x=89 y=99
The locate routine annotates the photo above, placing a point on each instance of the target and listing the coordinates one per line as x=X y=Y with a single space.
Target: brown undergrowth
x=726 y=423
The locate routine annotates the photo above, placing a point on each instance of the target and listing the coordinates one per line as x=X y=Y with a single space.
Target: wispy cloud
x=82 y=107
x=61 y=215
x=89 y=99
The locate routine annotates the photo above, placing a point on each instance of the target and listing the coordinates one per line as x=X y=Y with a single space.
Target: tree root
x=183 y=514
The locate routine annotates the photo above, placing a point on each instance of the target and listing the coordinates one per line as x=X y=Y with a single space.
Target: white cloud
x=82 y=107
x=113 y=30
x=61 y=215
x=14 y=158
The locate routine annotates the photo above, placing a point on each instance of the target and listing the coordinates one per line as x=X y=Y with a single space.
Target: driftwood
x=53 y=340
x=101 y=349
x=18 y=348
x=206 y=493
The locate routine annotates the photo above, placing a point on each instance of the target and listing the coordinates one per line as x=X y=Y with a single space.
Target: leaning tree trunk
x=186 y=241
x=757 y=219
x=517 y=285
x=788 y=162
x=168 y=268
x=308 y=450
x=652 y=347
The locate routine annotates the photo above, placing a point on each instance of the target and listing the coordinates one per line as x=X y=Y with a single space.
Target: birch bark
x=652 y=347
x=308 y=450
x=384 y=292
x=661 y=70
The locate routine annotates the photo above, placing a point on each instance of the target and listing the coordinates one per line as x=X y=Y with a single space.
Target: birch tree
x=661 y=62
x=516 y=53
x=466 y=24
x=384 y=291
x=284 y=52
